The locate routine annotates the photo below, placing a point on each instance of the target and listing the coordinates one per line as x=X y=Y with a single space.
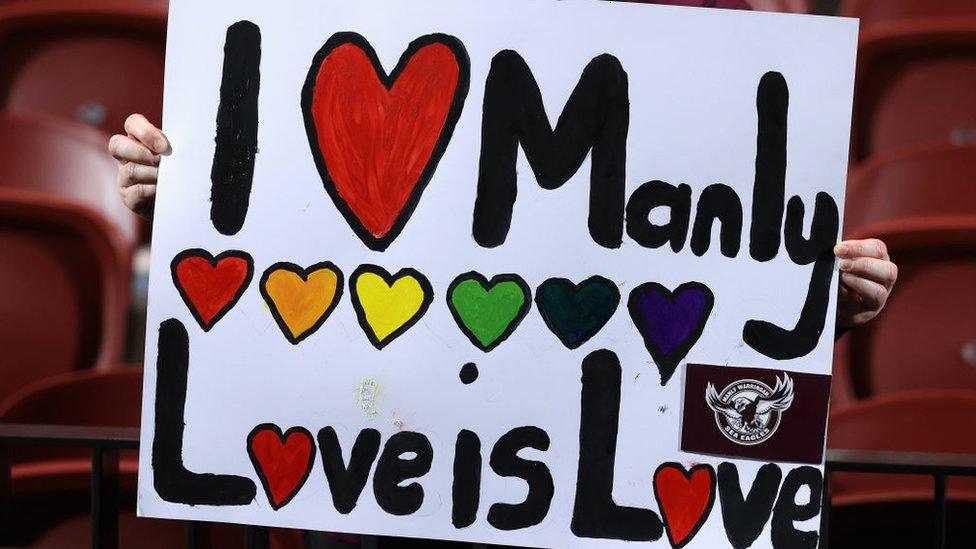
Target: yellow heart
x=301 y=299
x=388 y=305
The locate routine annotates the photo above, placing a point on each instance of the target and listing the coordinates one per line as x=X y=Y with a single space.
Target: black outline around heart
x=460 y=93
x=668 y=363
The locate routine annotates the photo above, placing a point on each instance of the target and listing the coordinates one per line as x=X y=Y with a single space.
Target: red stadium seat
x=926 y=337
x=921 y=181
x=87 y=398
x=145 y=533
x=95 y=61
x=873 y=11
x=933 y=420
x=783 y=6
x=67 y=161
x=65 y=288
x=916 y=80
x=882 y=510
x=922 y=202
x=58 y=480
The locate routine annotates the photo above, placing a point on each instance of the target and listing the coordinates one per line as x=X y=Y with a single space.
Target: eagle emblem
x=748 y=411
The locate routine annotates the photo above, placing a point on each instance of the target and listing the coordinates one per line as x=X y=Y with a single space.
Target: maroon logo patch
x=755 y=413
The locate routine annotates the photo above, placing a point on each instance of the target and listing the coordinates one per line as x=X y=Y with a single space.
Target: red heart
x=282 y=461
x=210 y=285
x=376 y=139
x=684 y=498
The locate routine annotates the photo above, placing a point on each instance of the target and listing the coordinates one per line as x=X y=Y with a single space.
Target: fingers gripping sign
x=138 y=153
x=866 y=280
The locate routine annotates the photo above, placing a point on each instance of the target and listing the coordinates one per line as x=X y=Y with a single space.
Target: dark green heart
x=488 y=311
x=575 y=313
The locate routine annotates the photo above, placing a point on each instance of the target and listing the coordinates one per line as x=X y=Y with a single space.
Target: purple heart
x=670 y=322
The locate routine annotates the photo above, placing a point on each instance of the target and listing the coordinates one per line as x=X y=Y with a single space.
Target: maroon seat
x=873 y=11
x=922 y=203
x=65 y=288
x=926 y=337
x=95 y=61
x=784 y=6
x=920 y=181
x=58 y=481
x=68 y=161
x=933 y=420
x=916 y=79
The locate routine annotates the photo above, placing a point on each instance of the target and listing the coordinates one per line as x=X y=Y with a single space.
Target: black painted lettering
x=595 y=514
x=466 y=491
x=237 y=128
x=782 y=344
x=347 y=483
x=769 y=190
x=392 y=469
x=505 y=462
x=784 y=533
x=718 y=202
x=596 y=117
x=745 y=517
x=823 y=229
x=172 y=481
x=658 y=194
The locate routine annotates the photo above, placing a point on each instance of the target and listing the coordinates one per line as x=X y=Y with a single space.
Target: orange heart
x=301 y=299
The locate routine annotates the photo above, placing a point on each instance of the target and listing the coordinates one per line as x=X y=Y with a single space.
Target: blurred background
x=73 y=263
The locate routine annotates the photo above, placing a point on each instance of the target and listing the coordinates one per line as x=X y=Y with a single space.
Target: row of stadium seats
x=907 y=381
x=69 y=73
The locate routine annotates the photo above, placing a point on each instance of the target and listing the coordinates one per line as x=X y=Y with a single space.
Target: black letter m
x=595 y=117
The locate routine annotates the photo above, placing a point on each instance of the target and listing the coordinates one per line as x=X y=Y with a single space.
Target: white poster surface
x=524 y=272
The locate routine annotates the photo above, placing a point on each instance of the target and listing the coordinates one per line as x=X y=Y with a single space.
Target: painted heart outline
x=579 y=321
x=690 y=524
x=428 y=298
x=488 y=285
x=283 y=441
x=302 y=273
x=373 y=241
x=667 y=359
x=232 y=299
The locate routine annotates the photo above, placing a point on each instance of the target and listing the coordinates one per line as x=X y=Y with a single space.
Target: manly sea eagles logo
x=748 y=411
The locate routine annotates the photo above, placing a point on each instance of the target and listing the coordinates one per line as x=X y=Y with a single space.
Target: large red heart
x=210 y=285
x=377 y=138
x=282 y=461
x=684 y=498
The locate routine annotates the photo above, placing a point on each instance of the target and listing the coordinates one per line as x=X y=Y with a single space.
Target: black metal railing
x=105 y=444
x=939 y=466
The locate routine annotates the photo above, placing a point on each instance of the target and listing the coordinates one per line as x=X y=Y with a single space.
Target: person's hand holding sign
x=867 y=276
x=138 y=153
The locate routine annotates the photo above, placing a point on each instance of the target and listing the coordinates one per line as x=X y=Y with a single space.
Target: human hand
x=867 y=276
x=138 y=153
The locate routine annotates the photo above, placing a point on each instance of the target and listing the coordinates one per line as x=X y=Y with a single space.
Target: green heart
x=488 y=311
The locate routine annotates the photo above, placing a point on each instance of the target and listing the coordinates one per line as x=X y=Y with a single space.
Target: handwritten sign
x=523 y=272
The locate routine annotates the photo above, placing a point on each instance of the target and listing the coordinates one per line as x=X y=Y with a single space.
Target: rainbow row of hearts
x=486 y=310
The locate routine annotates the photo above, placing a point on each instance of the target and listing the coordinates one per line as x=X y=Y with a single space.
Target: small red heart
x=684 y=498
x=376 y=139
x=282 y=461
x=210 y=286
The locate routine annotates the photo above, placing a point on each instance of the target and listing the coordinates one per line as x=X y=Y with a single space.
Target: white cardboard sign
x=386 y=298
